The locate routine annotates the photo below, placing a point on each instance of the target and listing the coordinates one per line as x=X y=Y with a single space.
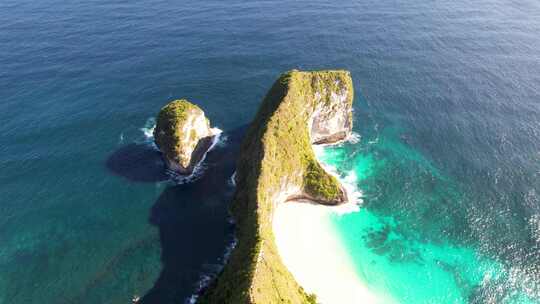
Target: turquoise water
x=412 y=254
x=447 y=107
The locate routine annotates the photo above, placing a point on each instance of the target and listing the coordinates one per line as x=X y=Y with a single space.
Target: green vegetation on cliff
x=277 y=161
x=170 y=127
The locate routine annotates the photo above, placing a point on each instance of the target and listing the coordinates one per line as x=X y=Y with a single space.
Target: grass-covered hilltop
x=277 y=163
x=182 y=134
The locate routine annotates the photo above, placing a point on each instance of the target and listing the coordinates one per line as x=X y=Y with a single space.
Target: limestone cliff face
x=277 y=163
x=331 y=120
x=183 y=135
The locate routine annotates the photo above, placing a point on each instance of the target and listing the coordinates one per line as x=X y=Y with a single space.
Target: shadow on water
x=138 y=163
x=192 y=218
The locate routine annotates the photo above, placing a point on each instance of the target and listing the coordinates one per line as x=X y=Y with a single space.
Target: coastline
x=312 y=252
x=300 y=108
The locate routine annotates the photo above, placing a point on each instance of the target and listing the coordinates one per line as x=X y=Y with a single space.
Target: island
x=277 y=164
x=183 y=135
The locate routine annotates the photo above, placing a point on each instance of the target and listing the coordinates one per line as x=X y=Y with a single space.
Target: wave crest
x=200 y=167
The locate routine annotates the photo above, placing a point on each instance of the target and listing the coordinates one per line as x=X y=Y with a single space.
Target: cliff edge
x=183 y=135
x=276 y=164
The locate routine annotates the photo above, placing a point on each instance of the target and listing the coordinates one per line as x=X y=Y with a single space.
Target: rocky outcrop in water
x=277 y=163
x=183 y=135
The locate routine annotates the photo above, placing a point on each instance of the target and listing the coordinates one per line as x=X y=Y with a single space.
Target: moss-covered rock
x=277 y=163
x=183 y=135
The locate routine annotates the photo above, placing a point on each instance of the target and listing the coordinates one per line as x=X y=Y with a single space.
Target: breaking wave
x=348 y=181
x=199 y=169
x=207 y=277
x=148 y=129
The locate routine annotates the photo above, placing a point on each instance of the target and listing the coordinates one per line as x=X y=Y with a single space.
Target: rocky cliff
x=183 y=135
x=277 y=163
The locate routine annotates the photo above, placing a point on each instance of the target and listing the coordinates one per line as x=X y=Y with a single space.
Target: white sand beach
x=316 y=258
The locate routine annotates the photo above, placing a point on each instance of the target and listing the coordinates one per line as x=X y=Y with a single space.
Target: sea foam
x=198 y=170
x=348 y=181
x=207 y=277
x=200 y=167
x=148 y=129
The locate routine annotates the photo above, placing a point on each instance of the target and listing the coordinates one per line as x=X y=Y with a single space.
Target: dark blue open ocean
x=447 y=108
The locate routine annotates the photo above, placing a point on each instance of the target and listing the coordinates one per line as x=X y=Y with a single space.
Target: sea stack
x=277 y=164
x=183 y=134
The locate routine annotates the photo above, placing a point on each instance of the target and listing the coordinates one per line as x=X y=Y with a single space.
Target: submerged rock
x=183 y=134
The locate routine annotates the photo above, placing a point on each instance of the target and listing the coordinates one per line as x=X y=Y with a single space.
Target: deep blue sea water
x=447 y=106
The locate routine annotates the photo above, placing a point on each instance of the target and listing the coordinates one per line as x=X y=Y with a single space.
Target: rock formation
x=183 y=135
x=276 y=164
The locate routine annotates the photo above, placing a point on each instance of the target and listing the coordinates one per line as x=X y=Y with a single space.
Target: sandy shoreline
x=310 y=250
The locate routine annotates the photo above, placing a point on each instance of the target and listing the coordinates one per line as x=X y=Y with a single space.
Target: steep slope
x=183 y=135
x=277 y=163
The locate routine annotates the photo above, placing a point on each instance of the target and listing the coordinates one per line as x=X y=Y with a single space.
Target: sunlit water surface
x=447 y=109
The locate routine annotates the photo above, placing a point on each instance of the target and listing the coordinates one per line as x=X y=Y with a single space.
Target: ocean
x=447 y=161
